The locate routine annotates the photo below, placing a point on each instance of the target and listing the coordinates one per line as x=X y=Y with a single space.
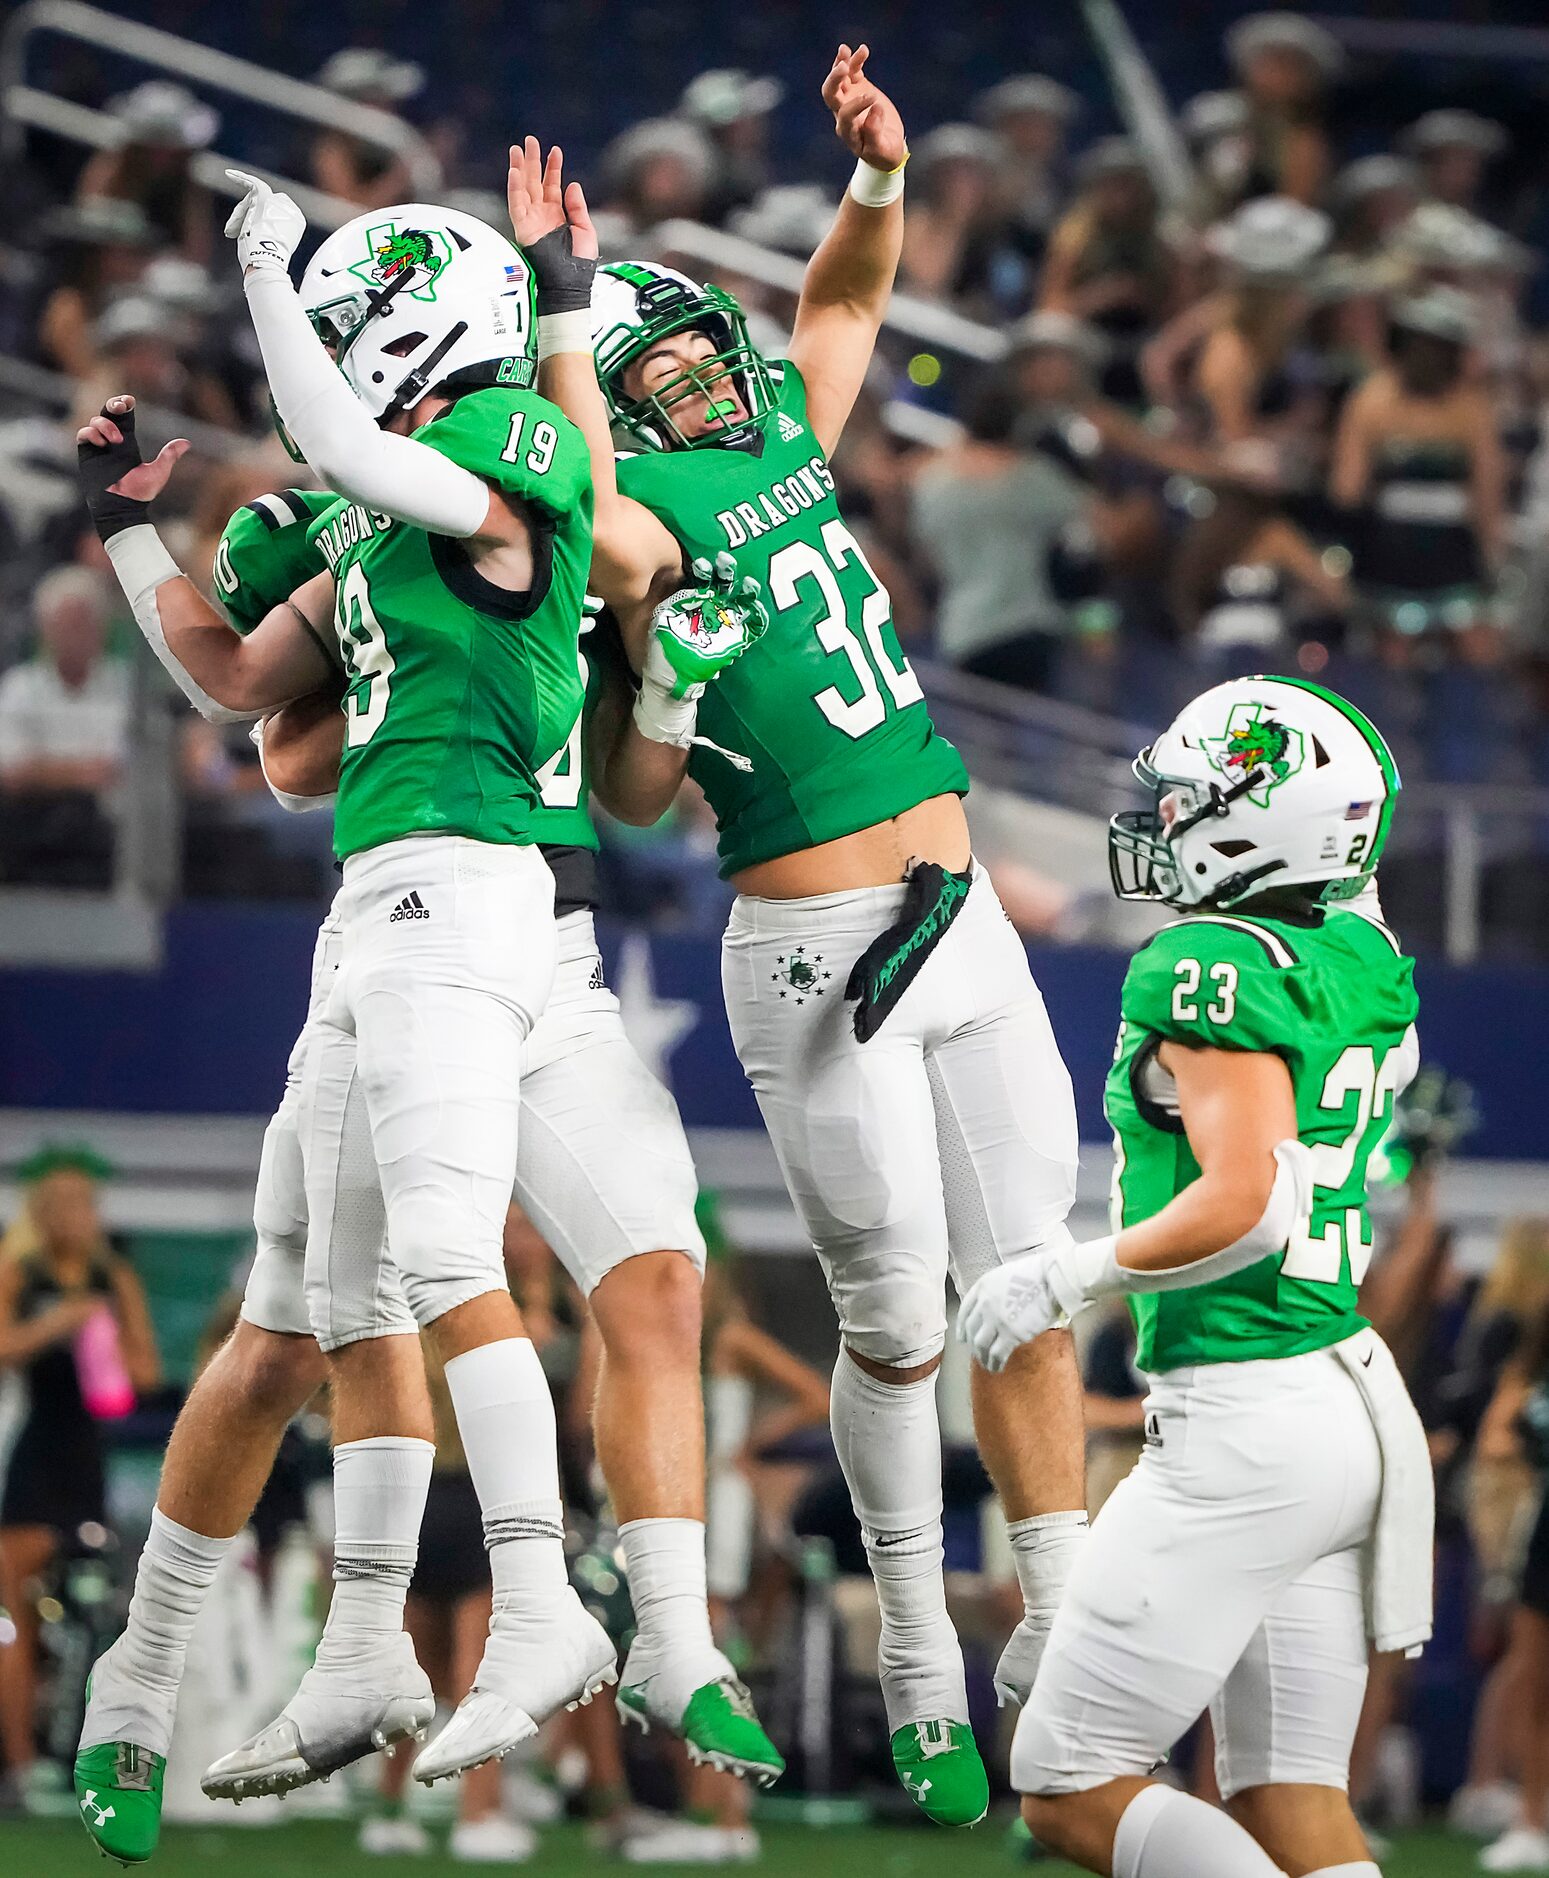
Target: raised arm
x=330 y=426
x=228 y=679
x=850 y=277
x=633 y=553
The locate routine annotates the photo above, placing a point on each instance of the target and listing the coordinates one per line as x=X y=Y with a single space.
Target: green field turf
x=49 y=1849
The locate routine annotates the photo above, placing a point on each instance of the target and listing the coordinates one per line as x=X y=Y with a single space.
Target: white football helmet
x=1260 y=783
x=415 y=297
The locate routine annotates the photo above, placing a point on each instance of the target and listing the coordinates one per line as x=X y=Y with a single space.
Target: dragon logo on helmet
x=394 y=254
x=1253 y=740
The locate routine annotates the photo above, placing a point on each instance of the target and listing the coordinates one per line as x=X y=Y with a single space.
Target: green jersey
x=266 y=553
x=563 y=821
x=459 y=693
x=825 y=708
x=1335 y=998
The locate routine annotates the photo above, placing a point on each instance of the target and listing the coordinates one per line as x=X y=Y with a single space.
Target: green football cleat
x=118 y=1788
x=938 y=1763
x=718 y=1727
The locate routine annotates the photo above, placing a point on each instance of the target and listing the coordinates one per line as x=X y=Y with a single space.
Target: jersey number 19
x=364 y=645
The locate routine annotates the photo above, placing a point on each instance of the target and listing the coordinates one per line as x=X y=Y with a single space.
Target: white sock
x=379 y=1488
x=1164 y=1834
x=1044 y=1548
x=1362 y=1868
x=505 y=1416
x=665 y=1562
x=888 y=1441
x=135 y=1698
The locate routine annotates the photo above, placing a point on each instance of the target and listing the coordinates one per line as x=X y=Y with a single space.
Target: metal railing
x=921 y=320
x=24 y=106
x=21 y=378
x=1079 y=759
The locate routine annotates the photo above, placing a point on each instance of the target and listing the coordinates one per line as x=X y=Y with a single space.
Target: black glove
x=564 y=278
x=103 y=464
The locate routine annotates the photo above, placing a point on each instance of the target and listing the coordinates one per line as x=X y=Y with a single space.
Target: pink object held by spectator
x=99 y=1364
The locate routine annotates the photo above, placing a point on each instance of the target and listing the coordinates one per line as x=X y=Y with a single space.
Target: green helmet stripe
x=1361 y=721
x=631 y=271
x=1375 y=742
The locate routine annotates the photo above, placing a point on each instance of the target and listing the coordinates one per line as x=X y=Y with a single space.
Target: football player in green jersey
x=948 y=1139
x=456 y=564
x=1283 y=1504
x=602 y=1167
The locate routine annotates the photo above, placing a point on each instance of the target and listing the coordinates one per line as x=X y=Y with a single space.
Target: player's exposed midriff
x=933 y=830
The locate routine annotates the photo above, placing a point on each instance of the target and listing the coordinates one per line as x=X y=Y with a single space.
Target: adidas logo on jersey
x=789 y=429
x=411 y=906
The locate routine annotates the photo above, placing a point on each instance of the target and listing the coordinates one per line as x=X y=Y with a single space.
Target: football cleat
x=339 y=1715
x=118 y=1793
x=939 y=1766
x=713 y=1718
x=535 y=1664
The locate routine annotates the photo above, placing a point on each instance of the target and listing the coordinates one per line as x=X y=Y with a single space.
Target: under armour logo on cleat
x=411 y=906
x=790 y=430
x=100 y=1814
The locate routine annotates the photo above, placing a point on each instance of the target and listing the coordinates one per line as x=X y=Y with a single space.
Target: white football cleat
x=535 y=1663
x=687 y=1842
x=338 y=1715
x=1524 y=1848
x=384 y=1837
x=493 y=1841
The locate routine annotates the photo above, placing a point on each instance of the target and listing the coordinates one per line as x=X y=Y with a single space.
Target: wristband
x=662 y=718
x=564 y=332
x=141 y=561
x=874 y=188
x=1082 y=1272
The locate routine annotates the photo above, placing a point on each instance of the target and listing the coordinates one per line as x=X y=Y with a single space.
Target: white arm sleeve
x=336 y=434
x=1085 y=1272
x=142 y=564
x=292 y=804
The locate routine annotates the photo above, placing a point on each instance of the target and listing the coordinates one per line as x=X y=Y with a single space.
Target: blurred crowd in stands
x=1291 y=420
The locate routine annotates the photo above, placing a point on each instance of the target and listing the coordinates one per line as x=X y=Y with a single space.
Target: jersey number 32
x=867 y=651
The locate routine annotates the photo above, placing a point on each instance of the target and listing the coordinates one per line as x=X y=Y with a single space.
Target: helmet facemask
x=668 y=308
x=1143 y=858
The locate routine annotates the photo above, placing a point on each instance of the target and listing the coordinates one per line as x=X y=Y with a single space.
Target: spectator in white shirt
x=64 y=714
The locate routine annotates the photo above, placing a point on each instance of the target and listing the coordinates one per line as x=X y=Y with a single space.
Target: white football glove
x=266 y=226
x=1009 y=1307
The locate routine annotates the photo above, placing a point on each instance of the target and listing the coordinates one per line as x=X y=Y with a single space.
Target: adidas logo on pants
x=411 y=906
